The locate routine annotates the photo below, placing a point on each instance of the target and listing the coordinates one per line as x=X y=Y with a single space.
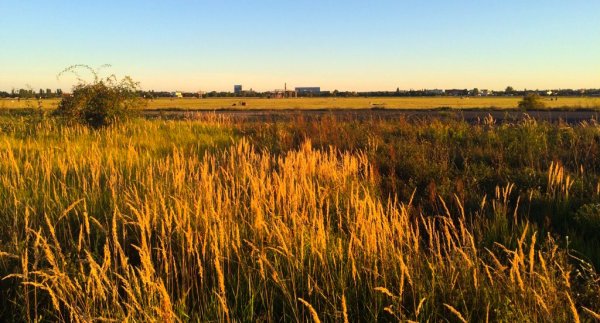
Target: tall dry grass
x=164 y=221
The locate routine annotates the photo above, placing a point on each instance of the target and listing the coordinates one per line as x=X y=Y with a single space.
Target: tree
x=509 y=90
x=475 y=91
x=99 y=103
x=24 y=94
x=531 y=101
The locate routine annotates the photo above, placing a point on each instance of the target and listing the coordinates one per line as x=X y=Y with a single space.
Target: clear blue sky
x=346 y=45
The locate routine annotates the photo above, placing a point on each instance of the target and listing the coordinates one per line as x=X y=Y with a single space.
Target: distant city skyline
x=344 y=45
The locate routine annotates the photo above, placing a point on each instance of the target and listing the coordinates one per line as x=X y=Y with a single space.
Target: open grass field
x=348 y=221
x=117 y=207
x=331 y=103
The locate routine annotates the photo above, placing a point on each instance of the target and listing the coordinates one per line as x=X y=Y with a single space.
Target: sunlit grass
x=188 y=220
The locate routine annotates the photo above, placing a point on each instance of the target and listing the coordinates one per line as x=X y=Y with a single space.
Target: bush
x=532 y=101
x=100 y=103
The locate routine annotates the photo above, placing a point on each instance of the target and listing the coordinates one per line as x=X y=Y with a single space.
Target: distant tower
x=237 y=89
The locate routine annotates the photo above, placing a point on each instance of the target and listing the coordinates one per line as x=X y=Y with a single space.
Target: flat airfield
x=411 y=103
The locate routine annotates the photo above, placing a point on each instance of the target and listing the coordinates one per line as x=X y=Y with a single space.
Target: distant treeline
x=49 y=93
x=31 y=94
x=397 y=93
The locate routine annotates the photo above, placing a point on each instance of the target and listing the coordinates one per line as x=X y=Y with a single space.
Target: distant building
x=237 y=89
x=177 y=94
x=308 y=90
x=282 y=94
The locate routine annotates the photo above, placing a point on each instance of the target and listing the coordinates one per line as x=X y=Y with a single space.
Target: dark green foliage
x=101 y=102
x=587 y=218
x=532 y=101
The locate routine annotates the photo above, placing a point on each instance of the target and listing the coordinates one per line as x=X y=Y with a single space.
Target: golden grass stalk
x=455 y=312
x=311 y=309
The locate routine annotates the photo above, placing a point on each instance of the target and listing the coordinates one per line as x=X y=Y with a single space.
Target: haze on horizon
x=345 y=45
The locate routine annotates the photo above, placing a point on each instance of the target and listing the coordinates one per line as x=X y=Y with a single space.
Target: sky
x=350 y=45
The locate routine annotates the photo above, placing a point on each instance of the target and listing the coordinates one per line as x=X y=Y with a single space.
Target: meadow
x=330 y=103
x=212 y=219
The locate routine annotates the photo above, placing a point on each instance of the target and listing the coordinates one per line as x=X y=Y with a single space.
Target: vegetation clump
x=99 y=103
x=588 y=218
x=532 y=101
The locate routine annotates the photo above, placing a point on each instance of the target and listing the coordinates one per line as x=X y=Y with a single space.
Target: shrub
x=99 y=103
x=532 y=101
